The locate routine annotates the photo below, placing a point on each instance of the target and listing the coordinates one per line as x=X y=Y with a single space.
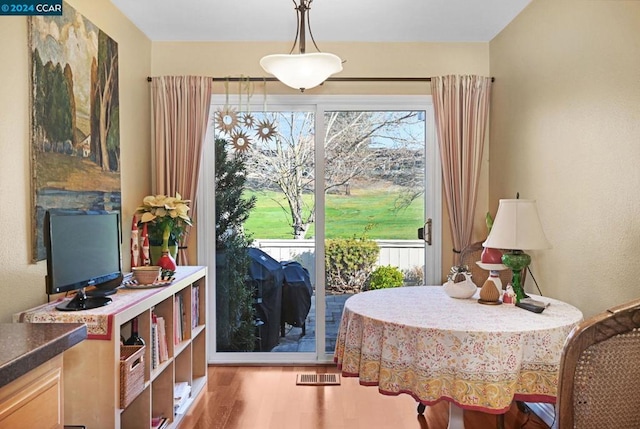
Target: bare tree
x=286 y=162
x=359 y=145
x=369 y=143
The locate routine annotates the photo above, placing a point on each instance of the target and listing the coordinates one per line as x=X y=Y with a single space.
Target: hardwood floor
x=252 y=397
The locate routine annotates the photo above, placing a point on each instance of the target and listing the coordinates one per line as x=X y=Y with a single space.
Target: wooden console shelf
x=92 y=368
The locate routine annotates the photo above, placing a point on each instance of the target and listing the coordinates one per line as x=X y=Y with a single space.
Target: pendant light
x=302 y=70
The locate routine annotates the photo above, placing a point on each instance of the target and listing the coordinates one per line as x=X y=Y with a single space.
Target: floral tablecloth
x=419 y=341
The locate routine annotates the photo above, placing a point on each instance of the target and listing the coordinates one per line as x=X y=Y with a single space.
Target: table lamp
x=516 y=228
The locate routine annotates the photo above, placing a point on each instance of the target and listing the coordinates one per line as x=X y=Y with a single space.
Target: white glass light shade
x=302 y=71
x=517 y=227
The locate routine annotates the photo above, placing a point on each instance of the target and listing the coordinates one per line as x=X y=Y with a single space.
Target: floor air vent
x=318 y=379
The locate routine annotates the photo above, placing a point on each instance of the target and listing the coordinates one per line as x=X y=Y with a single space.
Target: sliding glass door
x=327 y=175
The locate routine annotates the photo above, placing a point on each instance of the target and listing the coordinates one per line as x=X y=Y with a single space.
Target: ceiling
x=331 y=20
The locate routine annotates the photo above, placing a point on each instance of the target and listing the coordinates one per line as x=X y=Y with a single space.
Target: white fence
x=404 y=254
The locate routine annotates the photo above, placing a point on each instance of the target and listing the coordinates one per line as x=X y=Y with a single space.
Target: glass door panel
x=277 y=150
x=375 y=201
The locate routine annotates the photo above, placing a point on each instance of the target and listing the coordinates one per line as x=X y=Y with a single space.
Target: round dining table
x=419 y=341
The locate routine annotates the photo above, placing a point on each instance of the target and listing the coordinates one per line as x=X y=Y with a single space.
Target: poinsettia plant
x=162 y=213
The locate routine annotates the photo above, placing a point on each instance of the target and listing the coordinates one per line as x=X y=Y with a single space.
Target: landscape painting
x=75 y=136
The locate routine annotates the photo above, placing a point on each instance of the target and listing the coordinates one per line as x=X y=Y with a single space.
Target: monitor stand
x=83 y=302
x=98 y=292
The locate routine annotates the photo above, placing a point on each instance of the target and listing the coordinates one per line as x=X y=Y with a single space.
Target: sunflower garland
x=266 y=130
x=240 y=141
x=248 y=120
x=227 y=118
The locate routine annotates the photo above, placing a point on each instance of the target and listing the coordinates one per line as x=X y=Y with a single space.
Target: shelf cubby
x=92 y=367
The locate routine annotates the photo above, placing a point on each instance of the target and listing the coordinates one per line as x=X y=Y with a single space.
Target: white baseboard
x=546 y=412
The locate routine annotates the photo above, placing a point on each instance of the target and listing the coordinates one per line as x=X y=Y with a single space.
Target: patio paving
x=293 y=340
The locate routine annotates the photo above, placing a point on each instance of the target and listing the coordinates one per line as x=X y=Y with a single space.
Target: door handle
x=424 y=233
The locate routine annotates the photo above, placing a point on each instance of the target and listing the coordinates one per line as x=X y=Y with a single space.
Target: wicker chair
x=470 y=255
x=599 y=385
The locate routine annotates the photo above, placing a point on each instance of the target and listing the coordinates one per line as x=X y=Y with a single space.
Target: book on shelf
x=183 y=319
x=155 y=340
x=178 y=323
x=181 y=394
x=195 y=307
x=183 y=407
x=159 y=422
x=163 y=350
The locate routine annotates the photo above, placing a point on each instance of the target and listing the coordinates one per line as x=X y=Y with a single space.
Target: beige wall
x=362 y=60
x=21 y=282
x=565 y=130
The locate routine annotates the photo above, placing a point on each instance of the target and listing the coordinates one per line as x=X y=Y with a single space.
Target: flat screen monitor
x=83 y=249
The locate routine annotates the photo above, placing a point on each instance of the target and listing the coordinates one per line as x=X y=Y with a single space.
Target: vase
x=155 y=252
x=167 y=256
x=166 y=261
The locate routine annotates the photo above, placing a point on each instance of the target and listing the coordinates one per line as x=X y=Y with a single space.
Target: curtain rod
x=331 y=79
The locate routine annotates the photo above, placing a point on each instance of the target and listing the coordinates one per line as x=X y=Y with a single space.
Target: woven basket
x=131 y=373
x=146 y=275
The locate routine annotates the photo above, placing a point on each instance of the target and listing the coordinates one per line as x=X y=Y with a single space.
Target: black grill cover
x=296 y=293
x=267 y=275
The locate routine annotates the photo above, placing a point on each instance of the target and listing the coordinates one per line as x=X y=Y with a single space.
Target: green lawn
x=345 y=216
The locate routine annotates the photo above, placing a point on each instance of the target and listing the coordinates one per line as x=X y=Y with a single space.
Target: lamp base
x=516 y=261
x=482 y=301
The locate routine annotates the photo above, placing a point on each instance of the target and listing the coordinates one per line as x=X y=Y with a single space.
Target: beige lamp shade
x=302 y=71
x=517 y=227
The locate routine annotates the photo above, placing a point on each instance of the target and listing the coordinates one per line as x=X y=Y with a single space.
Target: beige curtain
x=461 y=107
x=180 y=111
